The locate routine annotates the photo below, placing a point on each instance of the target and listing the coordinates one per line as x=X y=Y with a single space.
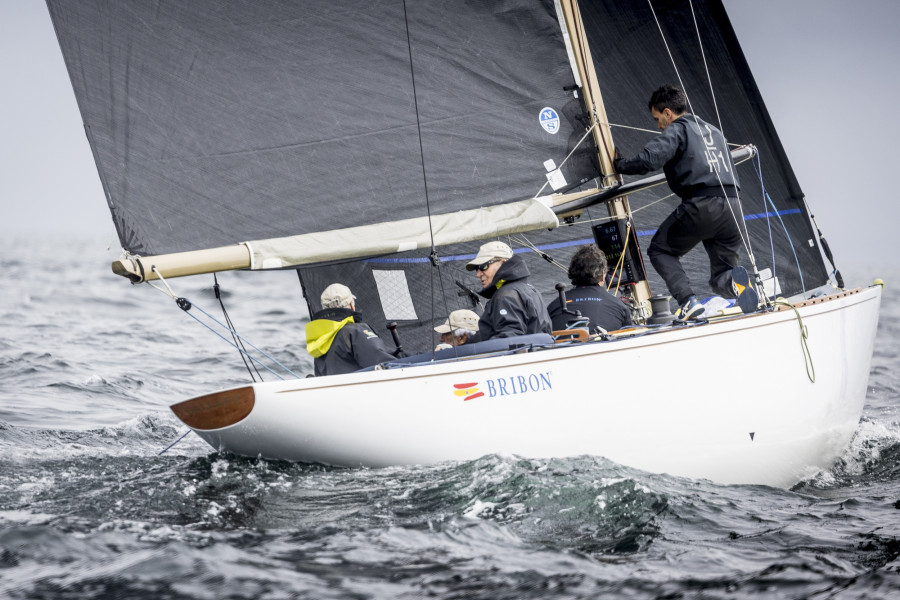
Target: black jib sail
x=220 y=122
x=631 y=46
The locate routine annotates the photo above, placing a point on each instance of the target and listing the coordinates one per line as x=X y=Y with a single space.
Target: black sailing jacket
x=514 y=306
x=353 y=345
x=694 y=156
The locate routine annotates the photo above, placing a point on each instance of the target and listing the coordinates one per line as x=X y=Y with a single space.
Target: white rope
x=742 y=227
x=546 y=183
x=712 y=92
x=525 y=242
x=168 y=293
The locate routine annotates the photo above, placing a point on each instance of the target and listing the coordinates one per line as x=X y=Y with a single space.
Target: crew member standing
x=695 y=159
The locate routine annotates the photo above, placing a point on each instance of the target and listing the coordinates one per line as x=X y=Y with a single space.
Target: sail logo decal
x=469 y=390
x=549 y=120
x=505 y=386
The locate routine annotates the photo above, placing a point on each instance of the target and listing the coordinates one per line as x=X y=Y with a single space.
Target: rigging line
x=786 y=234
x=741 y=224
x=168 y=293
x=546 y=183
x=790 y=242
x=525 y=242
x=649 y=204
x=742 y=221
x=412 y=75
x=177 y=299
x=757 y=165
x=238 y=349
x=712 y=92
x=274 y=360
x=435 y=259
x=621 y=261
x=172 y=445
x=250 y=366
x=645 y=130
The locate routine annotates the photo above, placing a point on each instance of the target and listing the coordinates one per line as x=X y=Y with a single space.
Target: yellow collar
x=320 y=335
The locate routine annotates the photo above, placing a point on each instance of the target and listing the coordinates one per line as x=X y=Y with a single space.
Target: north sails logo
x=505 y=386
x=549 y=120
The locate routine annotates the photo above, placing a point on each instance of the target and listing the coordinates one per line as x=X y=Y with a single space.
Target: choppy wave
x=94 y=503
x=499 y=527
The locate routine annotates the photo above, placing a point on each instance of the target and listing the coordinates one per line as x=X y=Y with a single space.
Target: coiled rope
x=804 y=334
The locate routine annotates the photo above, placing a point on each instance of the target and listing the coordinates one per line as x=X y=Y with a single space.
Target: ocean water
x=92 y=505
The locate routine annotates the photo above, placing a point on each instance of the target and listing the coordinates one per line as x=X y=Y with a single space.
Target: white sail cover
x=402 y=236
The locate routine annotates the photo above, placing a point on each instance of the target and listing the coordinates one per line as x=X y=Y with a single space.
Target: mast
x=617 y=206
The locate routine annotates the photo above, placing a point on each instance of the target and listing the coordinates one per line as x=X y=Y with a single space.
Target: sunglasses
x=484 y=266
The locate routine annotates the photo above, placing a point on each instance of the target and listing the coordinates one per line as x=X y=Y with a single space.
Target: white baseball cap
x=489 y=251
x=337 y=294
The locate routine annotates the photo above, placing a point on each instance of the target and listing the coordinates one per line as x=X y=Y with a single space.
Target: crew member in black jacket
x=695 y=158
x=337 y=337
x=587 y=272
x=514 y=306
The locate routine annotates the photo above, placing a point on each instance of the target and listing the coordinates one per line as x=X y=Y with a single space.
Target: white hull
x=729 y=401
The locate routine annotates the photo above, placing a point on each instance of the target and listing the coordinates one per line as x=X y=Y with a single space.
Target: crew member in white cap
x=460 y=327
x=514 y=306
x=337 y=337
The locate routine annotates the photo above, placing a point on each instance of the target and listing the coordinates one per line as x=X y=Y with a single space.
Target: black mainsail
x=225 y=121
x=215 y=122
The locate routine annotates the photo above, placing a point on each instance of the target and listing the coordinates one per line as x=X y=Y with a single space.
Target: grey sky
x=826 y=68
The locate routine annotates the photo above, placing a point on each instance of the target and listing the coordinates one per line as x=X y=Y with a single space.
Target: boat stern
x=217 y=410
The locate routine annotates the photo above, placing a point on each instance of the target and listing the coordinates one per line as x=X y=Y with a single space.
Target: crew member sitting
x=514 y=306
x=459 y=328
x=587 y=272
x=337 y=337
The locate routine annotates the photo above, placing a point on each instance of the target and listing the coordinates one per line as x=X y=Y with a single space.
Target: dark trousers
x=706 y=219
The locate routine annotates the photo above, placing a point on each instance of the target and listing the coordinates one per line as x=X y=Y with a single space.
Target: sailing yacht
x=378 y=143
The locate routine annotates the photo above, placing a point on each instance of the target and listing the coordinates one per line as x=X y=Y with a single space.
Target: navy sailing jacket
x=594 y=303
x=694 y=156
x=514 y=306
